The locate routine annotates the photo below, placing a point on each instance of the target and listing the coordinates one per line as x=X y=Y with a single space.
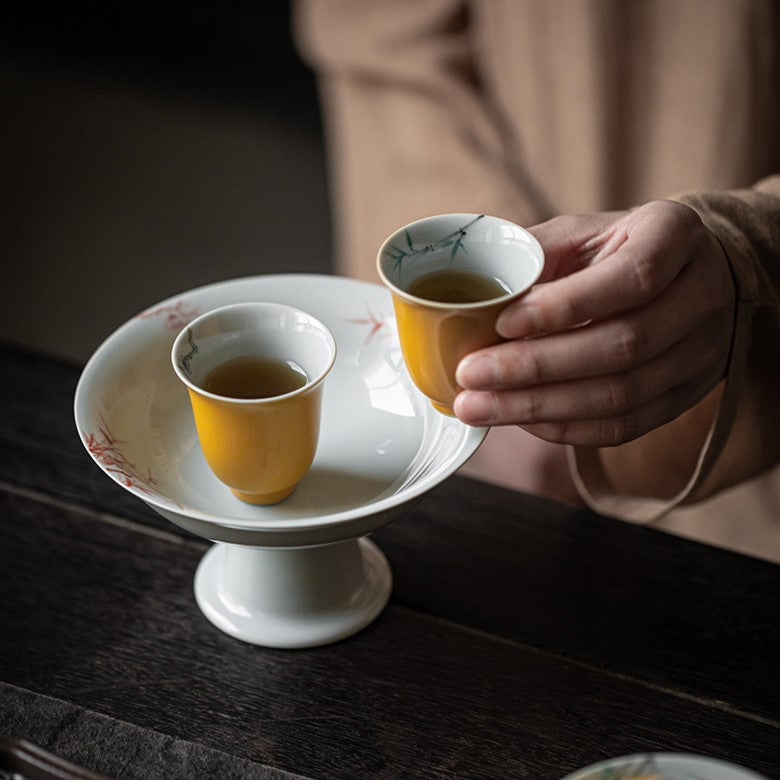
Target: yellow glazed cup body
x=433 y=341
x=434 y=335
x=259 y=448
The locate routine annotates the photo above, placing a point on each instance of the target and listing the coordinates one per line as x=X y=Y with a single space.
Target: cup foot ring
x=263 y=499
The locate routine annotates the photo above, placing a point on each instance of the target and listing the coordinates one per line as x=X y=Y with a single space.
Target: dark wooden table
x=524 y=639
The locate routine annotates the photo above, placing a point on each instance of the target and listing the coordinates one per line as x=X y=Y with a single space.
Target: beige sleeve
x=734 y=433
x=409 y=131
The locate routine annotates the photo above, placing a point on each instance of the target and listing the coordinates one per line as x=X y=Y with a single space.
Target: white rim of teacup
x=510 y=296
x=319 y=377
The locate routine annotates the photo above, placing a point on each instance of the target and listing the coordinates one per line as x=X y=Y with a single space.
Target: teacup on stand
x=255 y=374
x=450 y=276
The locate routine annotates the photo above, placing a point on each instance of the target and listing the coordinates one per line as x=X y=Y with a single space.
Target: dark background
x=148 y=149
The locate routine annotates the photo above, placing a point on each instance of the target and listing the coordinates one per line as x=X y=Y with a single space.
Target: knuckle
x=678 y=214
x=532 y=368
x=630 y=344
x=531 y=407
x=688 y=218
x=614 y=431
x=647 y=276
x=617 y=431
x=621 y=394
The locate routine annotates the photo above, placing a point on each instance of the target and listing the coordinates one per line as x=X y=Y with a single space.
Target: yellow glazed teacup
x=260 y=447
x=435 y=335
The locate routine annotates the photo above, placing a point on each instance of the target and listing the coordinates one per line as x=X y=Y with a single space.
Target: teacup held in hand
x=450 y=276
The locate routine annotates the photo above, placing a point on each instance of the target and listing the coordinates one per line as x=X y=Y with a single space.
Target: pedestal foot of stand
x=293 y=598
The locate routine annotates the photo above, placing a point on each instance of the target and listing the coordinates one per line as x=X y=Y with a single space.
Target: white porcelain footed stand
x=382 y=447
x=293 y=597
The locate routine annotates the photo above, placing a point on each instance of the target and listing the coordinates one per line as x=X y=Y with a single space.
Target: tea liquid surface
x=254 y=377
x=457 y=286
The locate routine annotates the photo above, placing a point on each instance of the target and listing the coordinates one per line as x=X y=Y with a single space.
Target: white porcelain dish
x=663 y=766
x=382 y=446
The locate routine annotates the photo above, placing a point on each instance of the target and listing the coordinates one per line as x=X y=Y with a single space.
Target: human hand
x=630 y=326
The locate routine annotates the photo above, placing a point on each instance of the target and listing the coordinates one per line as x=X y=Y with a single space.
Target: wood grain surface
x=523 y=639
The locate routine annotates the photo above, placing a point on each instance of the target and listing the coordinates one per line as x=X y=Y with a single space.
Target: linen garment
x=526 y=109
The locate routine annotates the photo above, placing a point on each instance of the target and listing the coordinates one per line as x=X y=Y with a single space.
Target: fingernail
x=519 y=321
x=476 y=371
x=503 y=324
x=475 y=408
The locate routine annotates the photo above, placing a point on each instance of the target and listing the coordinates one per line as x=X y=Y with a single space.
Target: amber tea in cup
x=458 y=286
x=450 y=276
x=255 y=374
x=255 y=377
